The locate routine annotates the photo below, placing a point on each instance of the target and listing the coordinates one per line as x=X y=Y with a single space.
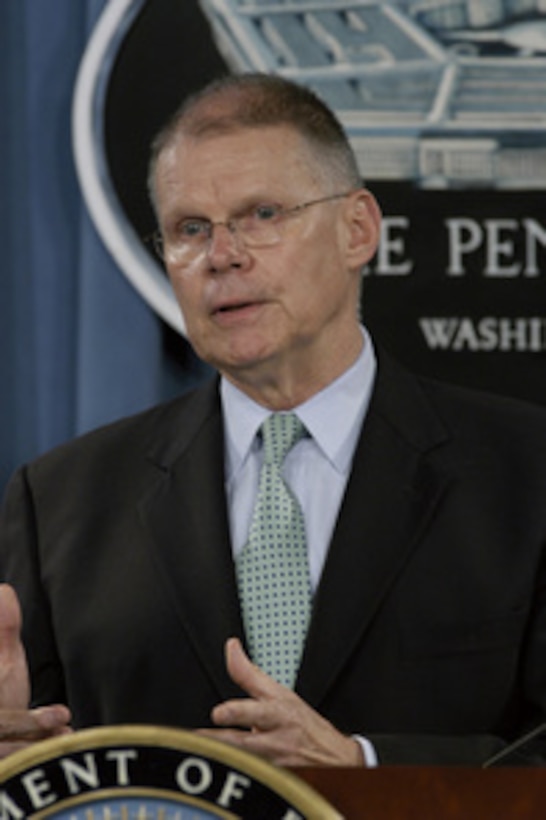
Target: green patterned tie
x=272 y=569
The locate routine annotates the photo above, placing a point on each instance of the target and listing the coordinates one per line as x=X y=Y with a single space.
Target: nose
x=225 y=249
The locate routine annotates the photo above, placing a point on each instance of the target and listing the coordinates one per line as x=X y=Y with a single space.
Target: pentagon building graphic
x=447 y=94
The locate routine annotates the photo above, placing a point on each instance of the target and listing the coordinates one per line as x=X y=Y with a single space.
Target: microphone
x=509 y=750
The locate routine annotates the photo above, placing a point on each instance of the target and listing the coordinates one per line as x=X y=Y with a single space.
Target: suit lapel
x=391 y=495
x=390 y=498
x=185 y=512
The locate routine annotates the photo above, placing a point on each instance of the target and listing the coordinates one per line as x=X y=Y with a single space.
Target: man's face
x=255 y=313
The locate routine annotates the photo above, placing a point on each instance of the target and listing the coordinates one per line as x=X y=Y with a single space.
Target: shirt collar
x=333 y=417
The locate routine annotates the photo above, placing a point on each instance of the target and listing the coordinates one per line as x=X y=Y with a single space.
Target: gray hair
x=258 y=101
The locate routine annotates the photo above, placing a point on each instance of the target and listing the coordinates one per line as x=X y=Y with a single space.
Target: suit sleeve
x=435 y=750
x=20 y=567
x=528 y=712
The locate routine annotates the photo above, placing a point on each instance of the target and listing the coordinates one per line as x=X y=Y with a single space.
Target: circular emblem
x=92 y=164
x=148 y=772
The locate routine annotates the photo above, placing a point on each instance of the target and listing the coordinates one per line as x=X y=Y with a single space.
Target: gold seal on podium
x=149 y=773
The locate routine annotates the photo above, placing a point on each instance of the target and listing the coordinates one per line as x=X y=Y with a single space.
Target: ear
x=363 y=216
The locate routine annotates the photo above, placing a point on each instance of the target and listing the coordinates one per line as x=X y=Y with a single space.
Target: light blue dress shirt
x=317 y=467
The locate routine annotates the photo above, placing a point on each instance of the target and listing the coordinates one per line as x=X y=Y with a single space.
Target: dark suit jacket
x=429 y=625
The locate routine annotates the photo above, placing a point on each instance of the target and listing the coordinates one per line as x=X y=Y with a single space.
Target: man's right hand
x=20 y=725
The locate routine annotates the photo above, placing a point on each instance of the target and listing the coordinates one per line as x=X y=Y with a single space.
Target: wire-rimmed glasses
x=260 y=227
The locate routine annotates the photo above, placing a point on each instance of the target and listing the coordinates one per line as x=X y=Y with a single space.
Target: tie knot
x=280 y=432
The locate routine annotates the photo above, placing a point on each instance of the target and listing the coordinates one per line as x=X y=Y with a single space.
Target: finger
x=250 y=741
x=53 y=718
x=10 y=618
x=247 y=713
x=33 y=724
x=234 y=736
x=247 y=675
x=9 y=748
x=262 y=744
x=14 y=676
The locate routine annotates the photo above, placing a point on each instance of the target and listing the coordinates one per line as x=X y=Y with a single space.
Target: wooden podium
x=432 y=793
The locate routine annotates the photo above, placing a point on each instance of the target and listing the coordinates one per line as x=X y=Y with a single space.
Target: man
x=423 y=504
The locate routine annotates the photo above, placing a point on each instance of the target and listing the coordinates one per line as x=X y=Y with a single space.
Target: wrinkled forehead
x=263 y=150
x=224 y=171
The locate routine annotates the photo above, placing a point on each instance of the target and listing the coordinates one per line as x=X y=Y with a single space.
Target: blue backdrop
x=78 y=346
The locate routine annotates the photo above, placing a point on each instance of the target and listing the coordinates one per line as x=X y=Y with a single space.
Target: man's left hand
x=275 y=723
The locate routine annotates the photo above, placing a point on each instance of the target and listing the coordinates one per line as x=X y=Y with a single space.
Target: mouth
x=235 y=311
x=233 y=307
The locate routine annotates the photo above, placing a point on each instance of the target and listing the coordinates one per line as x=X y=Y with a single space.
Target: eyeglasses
x=260 y=227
